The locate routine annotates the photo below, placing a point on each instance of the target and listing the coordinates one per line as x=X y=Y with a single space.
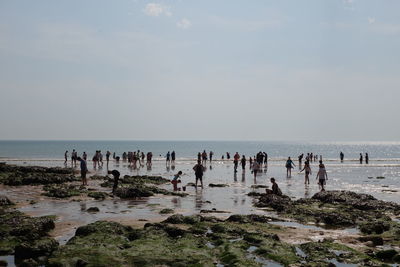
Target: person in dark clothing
x=243 y=162
x=366 y=158
x=275 y=188
x=84 y=170
x=116 y=175
x=341 y=156
x=198 y=172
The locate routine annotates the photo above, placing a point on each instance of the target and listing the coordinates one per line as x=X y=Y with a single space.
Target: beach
x=225 y=194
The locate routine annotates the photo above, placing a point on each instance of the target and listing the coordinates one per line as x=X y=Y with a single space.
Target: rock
x=255 y=194
x=61 y=190
x=104 y=227
x=26 y=175
x=93 y=209
x=37 y=248
x=374 y=227
x=133 y=192
x=218 y=185
x=276 y=202
x=214 y=210
x=386 y=254
x=191 y=184
x=166 y=211
x=98 y=195
x=4 y=201
x=380 y=177
x=374 y=239
x=256 y=186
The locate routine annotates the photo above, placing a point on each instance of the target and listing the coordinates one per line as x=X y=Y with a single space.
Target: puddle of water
x=251 y=249
x=9 y=259
x=342 y=264
x=297 y=225
x=300 y=252
x=210 y=245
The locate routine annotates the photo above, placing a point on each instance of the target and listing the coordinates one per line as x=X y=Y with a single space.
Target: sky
x=307 y=70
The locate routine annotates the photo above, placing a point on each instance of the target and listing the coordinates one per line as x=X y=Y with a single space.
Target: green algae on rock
x=17 y=228
x=240 y=240
x=33 y=175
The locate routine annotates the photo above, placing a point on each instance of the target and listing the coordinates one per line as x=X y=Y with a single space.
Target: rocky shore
x=201 y=240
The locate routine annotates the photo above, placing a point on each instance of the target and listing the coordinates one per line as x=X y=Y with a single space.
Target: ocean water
x=188 y=149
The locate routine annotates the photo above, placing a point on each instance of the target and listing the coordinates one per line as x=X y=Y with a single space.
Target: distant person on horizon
x=84 y=170
x=173 y=157
x=265 y=158
x=289 y=166
x=108 y=154
x=366 y=158
x=307 y=170
x=66 y=157
x=322 y=176
x=211 y=155
x=228 y=156
x=198 y=172
x=168 y=158
x=236 y=158
x=243 y=162
x=361 y=158
x=341 y=156
x=250 y=163
x=204 y=157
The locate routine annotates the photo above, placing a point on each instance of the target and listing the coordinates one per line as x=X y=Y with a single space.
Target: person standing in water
x=322 y=176
x=289 y=166
x=66 y=157
x=211 y=155
x=341 y=156
x=198 y=172
x=84 y=155
x=84 y=170
x=108 y=154
x=361 y=158
x=236 y=158
x=243 y=162
x=168 y=156
x=307 y=170
x=173 y=157
x=256 y=168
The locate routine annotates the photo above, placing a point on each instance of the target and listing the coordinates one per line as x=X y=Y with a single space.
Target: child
x=176 y=180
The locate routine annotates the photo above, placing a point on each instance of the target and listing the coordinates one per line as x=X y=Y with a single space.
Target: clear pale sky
x=200 y=70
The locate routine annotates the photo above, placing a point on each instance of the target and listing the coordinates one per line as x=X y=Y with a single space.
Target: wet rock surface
x=32 y=175
x=240 y=240
x=25 y=236
x=334 y=208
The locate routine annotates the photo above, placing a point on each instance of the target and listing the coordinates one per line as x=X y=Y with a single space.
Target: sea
x=378 y=151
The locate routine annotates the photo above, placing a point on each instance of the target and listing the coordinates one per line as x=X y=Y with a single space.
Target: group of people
x=204 y=156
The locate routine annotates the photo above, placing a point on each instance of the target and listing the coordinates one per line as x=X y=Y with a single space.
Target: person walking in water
x=84 y=170
x=307 y=170
x=322 y=176
x=198 y=172
x=341 y=156
x=361 y=158
x=211 y=155
x=366 y=158
x=167 y=161
x=243 y=162
x=289 y=166
x=236 y=158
